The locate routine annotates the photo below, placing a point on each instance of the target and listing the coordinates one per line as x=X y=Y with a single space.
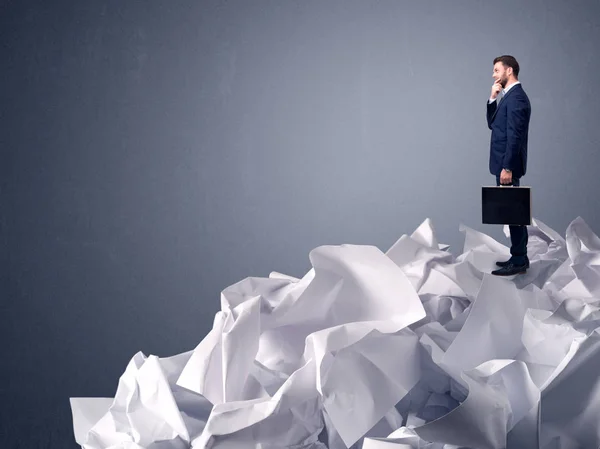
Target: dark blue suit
x=509 y=122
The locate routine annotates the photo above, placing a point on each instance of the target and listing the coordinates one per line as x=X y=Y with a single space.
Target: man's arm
x=492 y=104
x=491 y=108
x=516 y=127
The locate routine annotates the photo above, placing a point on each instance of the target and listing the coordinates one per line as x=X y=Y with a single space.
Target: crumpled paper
x=411 y=348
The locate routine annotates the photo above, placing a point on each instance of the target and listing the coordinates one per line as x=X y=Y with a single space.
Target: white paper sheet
x=411 y=348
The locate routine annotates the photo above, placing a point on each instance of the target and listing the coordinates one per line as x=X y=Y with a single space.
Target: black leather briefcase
x=506 y=205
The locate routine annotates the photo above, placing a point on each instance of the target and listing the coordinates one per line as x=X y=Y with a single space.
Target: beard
x=503 y=82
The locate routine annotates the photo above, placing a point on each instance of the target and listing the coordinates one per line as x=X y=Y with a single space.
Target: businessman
x=508 y=118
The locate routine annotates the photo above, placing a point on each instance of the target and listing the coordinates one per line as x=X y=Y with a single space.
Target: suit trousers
x=518 y=235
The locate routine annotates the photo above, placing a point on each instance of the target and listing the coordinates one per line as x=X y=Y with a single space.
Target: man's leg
x=518 y=237
x=518 y=240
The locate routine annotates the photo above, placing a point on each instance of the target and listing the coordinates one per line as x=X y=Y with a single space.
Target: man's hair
x=509 y=61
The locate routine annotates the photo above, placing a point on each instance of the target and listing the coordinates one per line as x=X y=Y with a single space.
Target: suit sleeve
x=491 y=108
x=516 y=129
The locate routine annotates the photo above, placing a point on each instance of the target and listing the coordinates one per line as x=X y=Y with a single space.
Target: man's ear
x=509 y=71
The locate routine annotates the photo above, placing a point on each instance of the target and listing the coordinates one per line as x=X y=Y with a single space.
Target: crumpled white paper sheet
x=411 y=348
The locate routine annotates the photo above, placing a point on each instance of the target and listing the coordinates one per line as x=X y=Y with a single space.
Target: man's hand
x=496 y=88
x=505 y=177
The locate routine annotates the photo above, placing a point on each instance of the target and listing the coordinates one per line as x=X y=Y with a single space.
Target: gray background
x=155 y=152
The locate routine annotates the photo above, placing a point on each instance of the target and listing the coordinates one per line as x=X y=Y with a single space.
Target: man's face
x=501 y=73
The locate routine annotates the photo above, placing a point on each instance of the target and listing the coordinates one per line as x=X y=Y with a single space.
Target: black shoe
x=510 y=269
x=506 y=262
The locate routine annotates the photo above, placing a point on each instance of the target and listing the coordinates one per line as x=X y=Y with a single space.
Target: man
x=508 y=118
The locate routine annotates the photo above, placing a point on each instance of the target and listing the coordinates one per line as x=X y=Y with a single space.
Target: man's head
x=506 y=69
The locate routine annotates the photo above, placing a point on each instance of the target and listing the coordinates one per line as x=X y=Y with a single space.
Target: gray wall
x=155 y=152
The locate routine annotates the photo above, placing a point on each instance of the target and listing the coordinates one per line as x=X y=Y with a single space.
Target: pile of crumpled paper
x=412 y=348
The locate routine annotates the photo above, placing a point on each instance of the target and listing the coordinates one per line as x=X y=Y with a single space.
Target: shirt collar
x=507 y=88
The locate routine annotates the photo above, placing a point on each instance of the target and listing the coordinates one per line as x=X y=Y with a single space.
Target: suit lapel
x=503 y=100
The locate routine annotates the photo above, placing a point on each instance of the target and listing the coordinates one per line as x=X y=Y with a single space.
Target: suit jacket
x=509 y=122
